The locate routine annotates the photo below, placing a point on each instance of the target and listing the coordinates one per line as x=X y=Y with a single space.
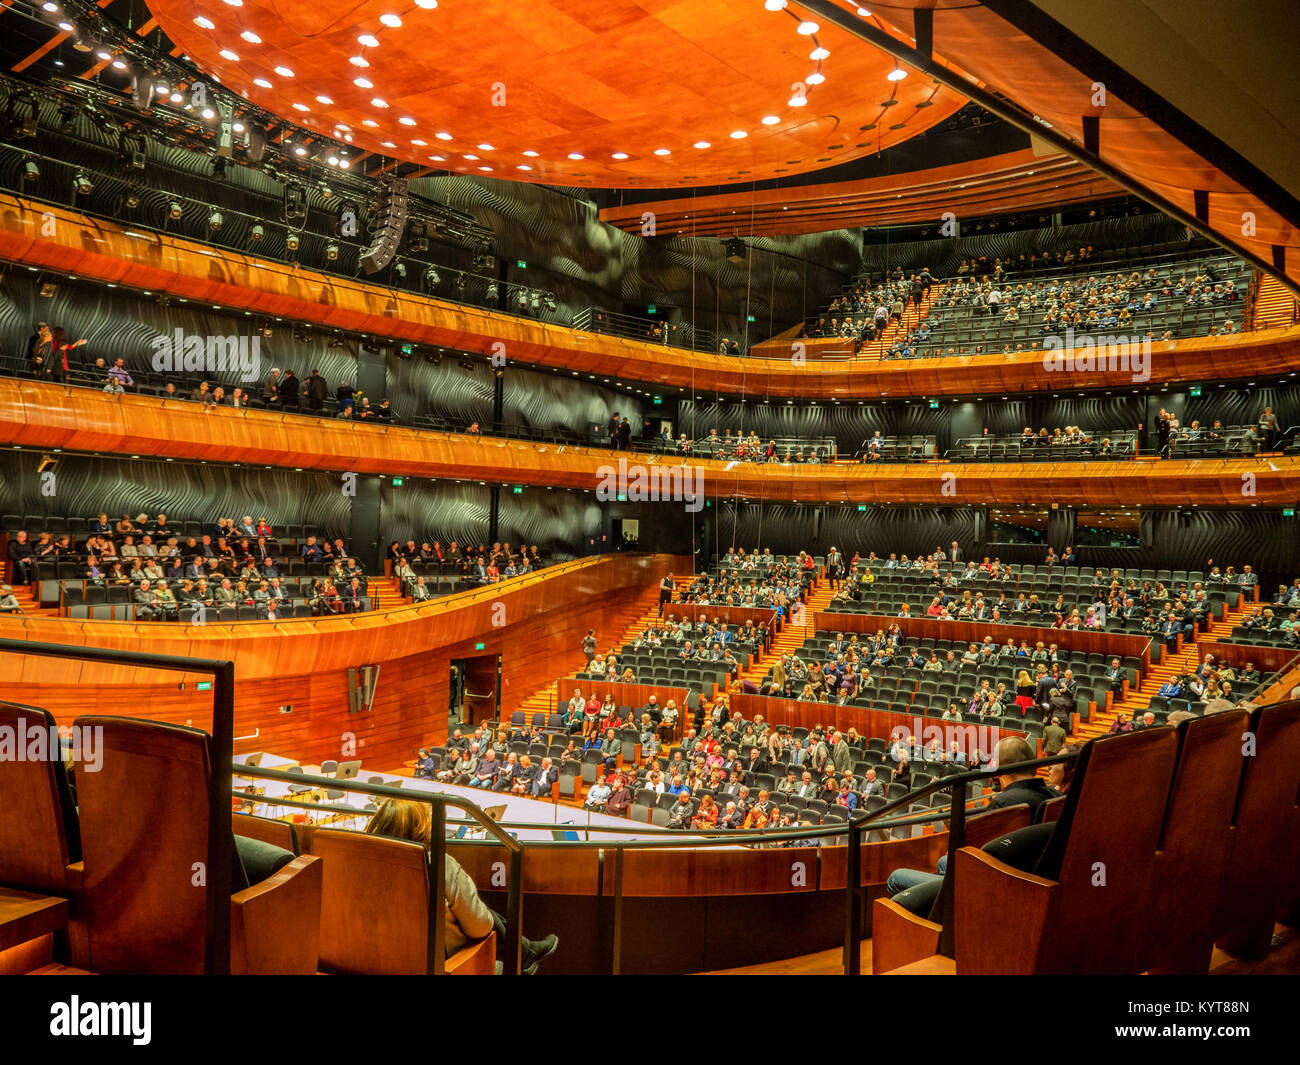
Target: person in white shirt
x=598 y=796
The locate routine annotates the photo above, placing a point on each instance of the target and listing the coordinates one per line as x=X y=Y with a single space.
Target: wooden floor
x=1283 y=959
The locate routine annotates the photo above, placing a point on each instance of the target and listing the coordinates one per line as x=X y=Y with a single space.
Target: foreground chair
x=144 y=825
x=375 y=910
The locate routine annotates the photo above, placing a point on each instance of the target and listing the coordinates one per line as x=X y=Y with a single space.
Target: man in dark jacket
x=288 y=390
x=317 y=390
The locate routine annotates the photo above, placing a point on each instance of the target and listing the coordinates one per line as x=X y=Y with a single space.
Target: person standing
x=317 y=390
x=666 y=588
x=589 y=647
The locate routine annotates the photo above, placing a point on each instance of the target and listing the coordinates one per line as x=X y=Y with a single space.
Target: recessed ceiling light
x=486 y=168
x=702 y=144
x=523 y=166
x=775 y=5
x=444 y=136
x=359 y=61
x=284 y=72
x=377 y=102
x=530 y=153
x=897 y=74
x=420 y=143
x=486 y=148
x=363 y=83
x=251 y=37
x=738 y=135
x=388 y=144
x=818 y=54
x=369 y=40
x=327 y=101
x=208 y=113
x=438 y=158
x=333 y=160
x=201 y=21
x=391 y=20
x=807 y=28
x=619 y=155
x=369 y=122
x=797 y=101
x=301 y=107
x=300 y=150
x=406 y=120
x=662 y=151
x=428 y=5
x=574 y=155
x=235 y=3
x=771 y=120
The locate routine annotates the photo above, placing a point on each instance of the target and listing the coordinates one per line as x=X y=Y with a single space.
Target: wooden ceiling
x=1008 y=62
x=1016 y=181
x=518 y=89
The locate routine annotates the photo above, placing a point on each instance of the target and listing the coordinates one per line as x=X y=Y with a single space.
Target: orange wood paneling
x=101 y=250
x=49 y=415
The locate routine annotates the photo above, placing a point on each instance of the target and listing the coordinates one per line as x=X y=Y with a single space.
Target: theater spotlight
x=492 y=290
x=214 y=221
x=174 y=210
x=431 y=276
x=257 y=233
x=291 y=241
x=331 y=252
x=82 y=184
x=535 y=304
x=31 y=172
x=522 y=298
x=67 y=118
x=550 y=301
x=133 y=197
x=399 y=268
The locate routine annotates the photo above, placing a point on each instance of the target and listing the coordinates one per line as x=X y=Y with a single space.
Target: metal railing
x=650 y=330
x=436 y=852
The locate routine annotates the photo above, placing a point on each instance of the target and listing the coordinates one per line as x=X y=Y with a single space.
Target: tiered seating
x=1107 y=445
x=880 y=448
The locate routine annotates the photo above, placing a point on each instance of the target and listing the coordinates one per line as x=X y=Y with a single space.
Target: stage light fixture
x=175 y=210
x=431 y=276
x=257 y=233
x=331 y=252
x=31 y=172
x=214 y=221
x=399 y=268
x=82 y=184
x=291 y=241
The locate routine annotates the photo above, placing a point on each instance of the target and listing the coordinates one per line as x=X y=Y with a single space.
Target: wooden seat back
x=144 y=818
x=375 y=903
x=277 y=833
x=1194 y=844
x=1103 y=851
x=991 y=824
x=1260 y=876
x=38 y=825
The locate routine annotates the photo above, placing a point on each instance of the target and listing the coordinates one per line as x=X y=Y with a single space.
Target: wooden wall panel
x=304 y=664
x=186 y=269
x=45 y=415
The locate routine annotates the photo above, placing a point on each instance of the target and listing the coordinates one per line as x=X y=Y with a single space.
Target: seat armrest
x=275 y=924
x=475 y=959
x=899 y=937
x=987 y=891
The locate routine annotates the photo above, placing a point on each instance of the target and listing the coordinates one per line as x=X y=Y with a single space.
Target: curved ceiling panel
x=1015 y=181
x=598 y=93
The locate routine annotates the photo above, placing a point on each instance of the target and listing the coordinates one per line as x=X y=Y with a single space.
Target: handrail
x=221 y=843
x=437 y=853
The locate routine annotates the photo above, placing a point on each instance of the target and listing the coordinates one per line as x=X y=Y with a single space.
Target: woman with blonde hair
x=467 y=917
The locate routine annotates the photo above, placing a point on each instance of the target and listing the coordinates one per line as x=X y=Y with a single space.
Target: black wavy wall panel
x=849 y=423
x=588 y=263
x=1102 y=413
x=1235 y=406
x=1190 y=538
x=944 y=255
x=787 y=528
x=434 y=510
x=549 y=401
x=83 y=487
x=446 y=389
x=558 y=522
x=119 y=323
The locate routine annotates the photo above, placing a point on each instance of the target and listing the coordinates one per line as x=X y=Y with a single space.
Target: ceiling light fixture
x=201 y=21
x=703 y=144
x=738 y=135
x=394 y=21
x=818 y=54
x=771 y=120
x=284 y=72
x=359 y=61
x=256 y=81
x=807 y=28
x=251 y=37
x=226 y=53
x=897 y=74
x=369 y=40
x=363 y=83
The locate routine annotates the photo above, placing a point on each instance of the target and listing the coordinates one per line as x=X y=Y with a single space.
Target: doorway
x=476 y=683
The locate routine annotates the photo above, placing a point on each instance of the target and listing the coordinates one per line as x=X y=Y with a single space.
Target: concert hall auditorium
x=630 y=487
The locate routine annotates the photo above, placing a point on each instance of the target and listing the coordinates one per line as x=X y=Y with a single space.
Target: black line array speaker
x=392 y=220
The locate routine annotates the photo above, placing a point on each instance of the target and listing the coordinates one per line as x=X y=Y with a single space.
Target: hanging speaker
x=392 y=221
x=226 y=130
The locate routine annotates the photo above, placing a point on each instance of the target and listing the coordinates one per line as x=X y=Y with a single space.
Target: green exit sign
x=934 y=404
x=397 y=482
x=1289 y=512
x=1194 y=391
x=204 y=686
x=519 y=489
x=751 y=318
x=659 y=401
x=479 y=646
x=521 y=264
x=621 y=497
x=408 y=350
x=652 y=309
x=862 y=508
